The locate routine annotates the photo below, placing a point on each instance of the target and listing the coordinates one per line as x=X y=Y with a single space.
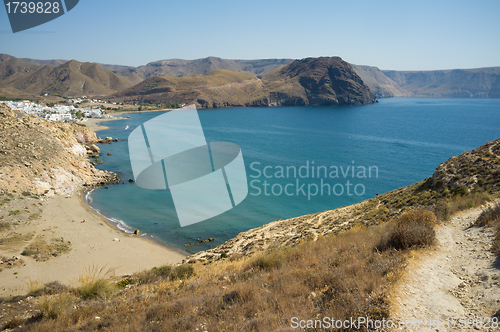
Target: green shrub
x=124 y=282
x=162 y=271
x=28 y=252
x=460 y=190
x=96 y=288
x=182 y=272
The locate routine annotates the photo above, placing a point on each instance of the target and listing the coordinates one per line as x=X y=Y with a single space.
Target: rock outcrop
x=319 y=81
x=40 y=156
x=6 y=112
x=478 y=169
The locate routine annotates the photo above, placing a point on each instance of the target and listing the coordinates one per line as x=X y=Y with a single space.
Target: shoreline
x=95 y=125
x=92 y=240
x=113 y=225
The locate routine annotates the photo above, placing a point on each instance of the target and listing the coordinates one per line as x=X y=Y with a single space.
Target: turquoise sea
x=352 y=153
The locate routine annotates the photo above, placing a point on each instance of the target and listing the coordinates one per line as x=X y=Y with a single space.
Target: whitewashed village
x=61 y=113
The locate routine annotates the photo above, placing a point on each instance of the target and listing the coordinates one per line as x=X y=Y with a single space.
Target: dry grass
x=53 y=306
x=93 y=283
x=412 y=229
x=165 y=272
x=491 y=218
x=443 y=203
x=34 y=286
x=343 y=276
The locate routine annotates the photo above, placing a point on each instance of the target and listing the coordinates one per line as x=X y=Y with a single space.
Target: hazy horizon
x=390 y=35
x=125 y=65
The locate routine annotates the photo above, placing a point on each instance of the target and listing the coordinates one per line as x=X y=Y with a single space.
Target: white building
x=58 y=112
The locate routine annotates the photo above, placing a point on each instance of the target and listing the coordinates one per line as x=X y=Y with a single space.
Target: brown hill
x=12 y=67
x=53 y=62
x=179 y=67
x=218 y=88
x=72 y=78
x=312 y=81
x=480 y=82
x=320 y=81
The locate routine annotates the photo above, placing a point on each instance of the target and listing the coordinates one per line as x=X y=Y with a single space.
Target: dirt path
x=458 y=278
x=18 y=115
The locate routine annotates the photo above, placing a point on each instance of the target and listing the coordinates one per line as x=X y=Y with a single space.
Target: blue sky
x=400 y=35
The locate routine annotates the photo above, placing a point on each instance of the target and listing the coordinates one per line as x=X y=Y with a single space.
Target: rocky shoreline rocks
x=45 y=157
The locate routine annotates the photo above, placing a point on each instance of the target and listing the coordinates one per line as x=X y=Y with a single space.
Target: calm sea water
x=389 y=145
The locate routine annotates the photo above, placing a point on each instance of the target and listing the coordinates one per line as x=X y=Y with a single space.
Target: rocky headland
x=313 y=81
x=45 y=157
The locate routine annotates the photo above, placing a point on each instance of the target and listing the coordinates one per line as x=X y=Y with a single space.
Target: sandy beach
x=94 y=124
x=92 y=242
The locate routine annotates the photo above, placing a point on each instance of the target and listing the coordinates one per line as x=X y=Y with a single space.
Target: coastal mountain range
x=312 y=81
x=216 y=82
x=72 y=78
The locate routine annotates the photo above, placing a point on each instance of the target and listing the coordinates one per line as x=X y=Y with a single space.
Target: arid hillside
x=69 y=79
x=336 y=264
x=312 y=81
x=475 y=173
x=40 y=156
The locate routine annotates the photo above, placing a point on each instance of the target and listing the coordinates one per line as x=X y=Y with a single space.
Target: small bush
x=34 y=287
x=3 y=225
x=96 y=288
x=413 y=229
x=13 y=323
x=28 y=252
x=182 y=272
x=13 y=213
x=145 y=277
x=124 y=282
x=162 y=271
x=266 y=261
x=460 y=190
